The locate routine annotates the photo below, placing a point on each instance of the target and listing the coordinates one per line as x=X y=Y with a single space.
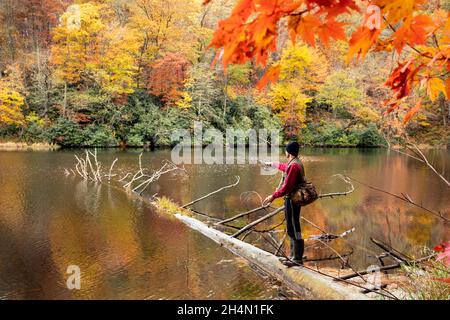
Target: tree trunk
x=65 y=99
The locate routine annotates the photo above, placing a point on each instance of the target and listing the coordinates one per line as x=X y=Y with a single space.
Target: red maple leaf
x=444 y=254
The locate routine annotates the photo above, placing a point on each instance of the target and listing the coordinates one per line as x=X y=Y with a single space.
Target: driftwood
x=280 y=245
x=330 y=257
x=331 y=195
x=336 y=194
x=397 y=255
x=385 y=268
x=212 y=193
x=254 y=223
x=240 y=215
x=383 y=286
x=419 y=156
x=384 y=292
x=329 y=236
x=90 y=168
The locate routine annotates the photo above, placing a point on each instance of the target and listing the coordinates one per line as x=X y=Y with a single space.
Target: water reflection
x=126 y=250
x=123 y=248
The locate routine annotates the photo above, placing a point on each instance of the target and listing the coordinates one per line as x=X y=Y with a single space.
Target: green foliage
x=35 y=128
x=346 y=98
x=427 y=282
x=262 y=118
x=370 y=136
x=333 y=135
x=99 y=136
x=340 y=93
x=66 y=133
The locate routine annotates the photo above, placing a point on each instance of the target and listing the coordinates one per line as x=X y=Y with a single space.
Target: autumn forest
x=126 y=73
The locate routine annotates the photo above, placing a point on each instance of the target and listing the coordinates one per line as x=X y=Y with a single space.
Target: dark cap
x=293 y=148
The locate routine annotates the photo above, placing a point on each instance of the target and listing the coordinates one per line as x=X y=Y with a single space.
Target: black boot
x=291 y=252
x=296 y=258
x=299 y=248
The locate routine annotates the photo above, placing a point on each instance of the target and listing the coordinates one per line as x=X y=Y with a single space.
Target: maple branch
x=409 y=45
x=298 y=13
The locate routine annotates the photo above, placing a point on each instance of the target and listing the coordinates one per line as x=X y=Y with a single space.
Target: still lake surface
x=127 y=250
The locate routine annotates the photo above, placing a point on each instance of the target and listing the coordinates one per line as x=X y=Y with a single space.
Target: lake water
x=127 y=250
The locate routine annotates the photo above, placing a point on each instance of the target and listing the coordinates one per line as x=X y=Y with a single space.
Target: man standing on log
x=293 y=176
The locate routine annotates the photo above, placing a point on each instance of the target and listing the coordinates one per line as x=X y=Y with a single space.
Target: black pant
x=292 y=215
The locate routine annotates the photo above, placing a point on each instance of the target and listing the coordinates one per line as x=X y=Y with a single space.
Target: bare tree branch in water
x=90 y=168
x=419 y=156
x=424 y=159
x=212 y=193
x=336 y=194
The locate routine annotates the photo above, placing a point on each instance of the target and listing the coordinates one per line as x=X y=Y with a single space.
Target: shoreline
x=44 y=146
x=23 y=146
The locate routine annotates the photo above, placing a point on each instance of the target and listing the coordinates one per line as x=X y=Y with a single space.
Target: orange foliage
x=251 y=31
x=167 y=77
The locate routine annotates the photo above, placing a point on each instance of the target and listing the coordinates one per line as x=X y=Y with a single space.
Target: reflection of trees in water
x=87 y=196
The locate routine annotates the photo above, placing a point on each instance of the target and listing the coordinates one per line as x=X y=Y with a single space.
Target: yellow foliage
x=365 y=115
x=166 y=26
x=76 y=51
x=94 y=49
x=302 y=70
x=305 y=64
x=289 y=103
x=11 y=98
x=185 y=100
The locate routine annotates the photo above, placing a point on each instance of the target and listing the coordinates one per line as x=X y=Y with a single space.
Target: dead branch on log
x=166 y=168
x=212 y=193
x=336 y=194
x=374 y=288
x=419 y=156
x=280 y=244
x=327 y=237
x=331 y=195
x=240 y=215
x=397 y=255
x=254 y=223
x=388 y=295
x=404 y=198
x=110 y=175
x=385 y=268
x=86 y=169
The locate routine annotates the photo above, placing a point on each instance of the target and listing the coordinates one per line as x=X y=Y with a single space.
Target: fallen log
x=298 y=279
